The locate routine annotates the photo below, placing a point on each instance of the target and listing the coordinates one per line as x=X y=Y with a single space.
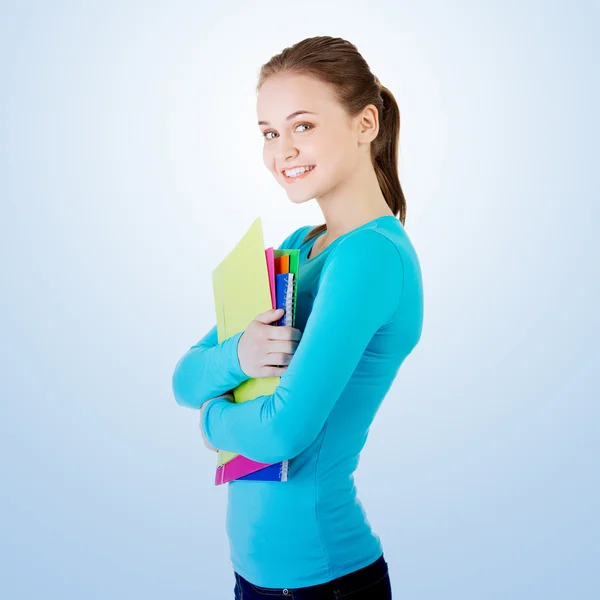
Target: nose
x=286 y=156
x=286 y=150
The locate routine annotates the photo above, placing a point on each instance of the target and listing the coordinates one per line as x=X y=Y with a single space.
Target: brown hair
x=338 y=62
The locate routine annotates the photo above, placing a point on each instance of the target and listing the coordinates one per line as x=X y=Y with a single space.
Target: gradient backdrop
x=131 y=163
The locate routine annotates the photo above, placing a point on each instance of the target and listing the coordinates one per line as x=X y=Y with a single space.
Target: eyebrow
x=294 y=114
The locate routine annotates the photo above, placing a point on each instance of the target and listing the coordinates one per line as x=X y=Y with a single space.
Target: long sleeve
x=359 y=292
x=207 y=369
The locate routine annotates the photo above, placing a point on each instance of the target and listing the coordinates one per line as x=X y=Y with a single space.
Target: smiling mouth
x=298 y=177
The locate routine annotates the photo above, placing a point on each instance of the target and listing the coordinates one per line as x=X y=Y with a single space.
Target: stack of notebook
x=249 y=281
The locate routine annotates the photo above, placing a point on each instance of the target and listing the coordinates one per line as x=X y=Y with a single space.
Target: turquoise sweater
x=360 y=308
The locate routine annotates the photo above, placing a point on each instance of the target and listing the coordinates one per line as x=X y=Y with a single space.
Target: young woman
x=330 y=132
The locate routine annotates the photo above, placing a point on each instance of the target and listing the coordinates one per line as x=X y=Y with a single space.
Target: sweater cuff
x=235 y=370
x=205 y=427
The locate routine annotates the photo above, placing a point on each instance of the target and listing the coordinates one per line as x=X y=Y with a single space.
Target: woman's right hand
x=262 y=346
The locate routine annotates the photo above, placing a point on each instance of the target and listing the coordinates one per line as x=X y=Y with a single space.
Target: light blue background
x=131 y=164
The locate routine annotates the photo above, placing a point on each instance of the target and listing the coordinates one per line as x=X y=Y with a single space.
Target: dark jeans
x=369 y=583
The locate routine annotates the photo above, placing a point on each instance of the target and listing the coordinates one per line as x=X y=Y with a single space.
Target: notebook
x=275 y=472
x=240 y=466
x=242 y=289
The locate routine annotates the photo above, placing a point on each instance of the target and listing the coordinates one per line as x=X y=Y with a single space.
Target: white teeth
x=296 y=172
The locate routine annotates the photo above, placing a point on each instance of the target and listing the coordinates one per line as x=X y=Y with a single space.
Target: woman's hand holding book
x=266 y=350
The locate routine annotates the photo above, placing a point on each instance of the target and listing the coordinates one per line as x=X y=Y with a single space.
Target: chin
x=300 y=199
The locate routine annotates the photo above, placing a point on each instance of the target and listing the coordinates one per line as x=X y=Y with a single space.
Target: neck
x=353 y=203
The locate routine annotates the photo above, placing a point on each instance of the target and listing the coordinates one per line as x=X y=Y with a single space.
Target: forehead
x=283 y=94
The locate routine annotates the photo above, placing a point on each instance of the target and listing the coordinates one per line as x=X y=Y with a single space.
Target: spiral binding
x=289 y=301
x=283 y=472
x=288 y=320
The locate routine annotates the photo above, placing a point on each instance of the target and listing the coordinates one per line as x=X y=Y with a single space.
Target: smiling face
x=325 y=139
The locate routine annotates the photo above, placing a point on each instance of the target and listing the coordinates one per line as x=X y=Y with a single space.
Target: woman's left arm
x=230 y=398
x=359 y=292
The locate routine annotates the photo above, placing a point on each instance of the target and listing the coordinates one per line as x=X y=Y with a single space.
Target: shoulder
x=363 y=274
x=367 y=249
x=367 y=266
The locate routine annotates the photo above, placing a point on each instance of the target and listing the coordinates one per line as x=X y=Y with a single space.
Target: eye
x=266 y=133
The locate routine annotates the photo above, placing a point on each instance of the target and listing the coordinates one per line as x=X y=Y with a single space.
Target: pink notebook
x=237 y=467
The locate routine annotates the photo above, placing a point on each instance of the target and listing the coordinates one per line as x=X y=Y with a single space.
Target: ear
x=368 y=124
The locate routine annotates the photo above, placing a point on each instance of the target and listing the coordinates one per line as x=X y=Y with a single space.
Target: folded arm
x=359 y=292
x=207 y=369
